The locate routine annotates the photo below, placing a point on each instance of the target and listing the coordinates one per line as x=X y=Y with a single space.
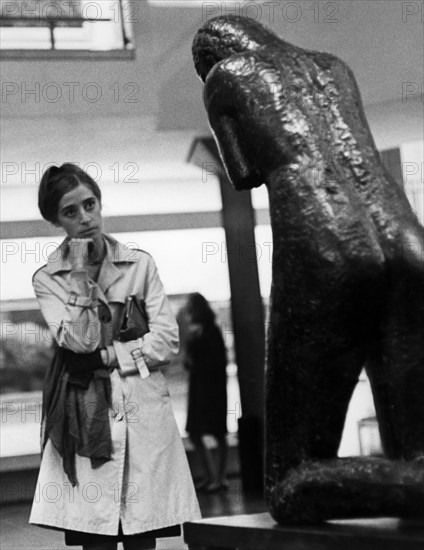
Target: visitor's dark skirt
x=78 y=538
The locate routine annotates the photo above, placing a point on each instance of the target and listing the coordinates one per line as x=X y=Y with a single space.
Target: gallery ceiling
x=381 y=40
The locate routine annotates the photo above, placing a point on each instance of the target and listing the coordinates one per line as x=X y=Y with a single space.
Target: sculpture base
x=260 y=532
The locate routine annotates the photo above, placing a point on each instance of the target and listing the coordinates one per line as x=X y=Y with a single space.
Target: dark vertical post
x=52 y=36
x=247 y=312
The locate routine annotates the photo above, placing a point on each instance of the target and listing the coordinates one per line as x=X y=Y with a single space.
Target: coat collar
x=116 y=253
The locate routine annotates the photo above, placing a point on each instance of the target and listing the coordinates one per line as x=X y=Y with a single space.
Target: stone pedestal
x=260 y=532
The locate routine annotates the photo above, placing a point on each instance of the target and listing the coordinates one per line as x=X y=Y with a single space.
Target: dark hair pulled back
x=56 y=182
x=199 y=309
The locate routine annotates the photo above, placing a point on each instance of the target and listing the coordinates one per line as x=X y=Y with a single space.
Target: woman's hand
x=79 y=251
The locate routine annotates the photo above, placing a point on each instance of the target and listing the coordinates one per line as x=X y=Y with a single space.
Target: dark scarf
x=75 y=411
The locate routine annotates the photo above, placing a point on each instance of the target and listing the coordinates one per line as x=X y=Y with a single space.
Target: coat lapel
x=109 y=273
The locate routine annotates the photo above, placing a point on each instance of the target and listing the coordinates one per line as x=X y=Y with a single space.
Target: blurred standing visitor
x=205 y=358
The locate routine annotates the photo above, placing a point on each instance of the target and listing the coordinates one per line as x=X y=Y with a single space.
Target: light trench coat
x=147 y=485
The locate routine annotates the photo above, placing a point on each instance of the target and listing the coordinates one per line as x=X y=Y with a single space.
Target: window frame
x=82 y=35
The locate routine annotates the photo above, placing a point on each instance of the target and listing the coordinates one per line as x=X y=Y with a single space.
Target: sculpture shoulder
x=238 y=64
x=332 y=64
x=233 y=74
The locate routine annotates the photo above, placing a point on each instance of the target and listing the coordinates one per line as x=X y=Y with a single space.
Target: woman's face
x=79 y=214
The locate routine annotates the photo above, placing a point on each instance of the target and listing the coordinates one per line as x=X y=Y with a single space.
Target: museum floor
x=16 y=534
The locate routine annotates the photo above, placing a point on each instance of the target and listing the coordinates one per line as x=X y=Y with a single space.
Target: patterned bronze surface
x=348 y=272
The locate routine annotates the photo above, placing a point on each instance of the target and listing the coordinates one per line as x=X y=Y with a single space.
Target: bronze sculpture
x=348 y=272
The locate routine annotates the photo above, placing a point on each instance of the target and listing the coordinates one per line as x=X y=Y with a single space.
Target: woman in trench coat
x=143 y=489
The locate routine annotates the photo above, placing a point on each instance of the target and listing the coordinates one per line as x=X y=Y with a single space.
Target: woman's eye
x=70 y=213
x=90 y=205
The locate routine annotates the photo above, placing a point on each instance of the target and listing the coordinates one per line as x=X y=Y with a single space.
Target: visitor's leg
x=207 y=460
x=222 y=461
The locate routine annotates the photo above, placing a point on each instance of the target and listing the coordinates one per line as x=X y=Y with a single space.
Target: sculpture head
x=223 y=36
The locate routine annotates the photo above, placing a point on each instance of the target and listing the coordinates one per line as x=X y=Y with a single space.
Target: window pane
x=33 y=12
x=20 y=259
x=71 y=24
x=25 y=38
x=263 y=237
x=260 y=197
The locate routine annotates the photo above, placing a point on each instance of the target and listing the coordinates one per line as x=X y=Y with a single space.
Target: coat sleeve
x=71 y=315
x=161 y=343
